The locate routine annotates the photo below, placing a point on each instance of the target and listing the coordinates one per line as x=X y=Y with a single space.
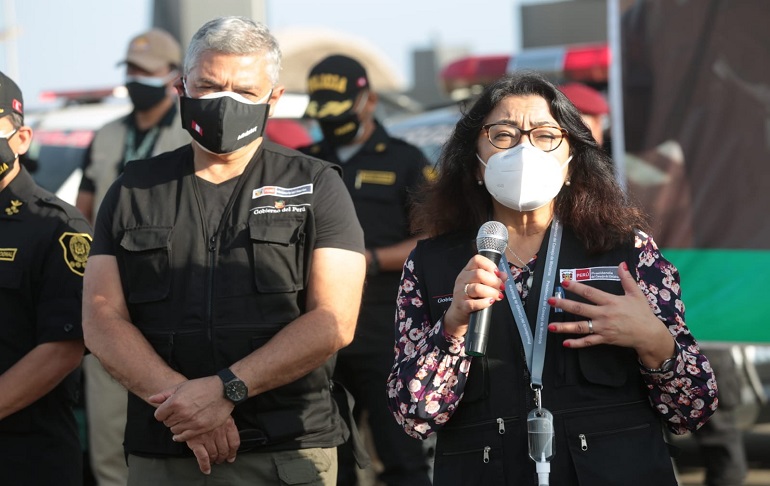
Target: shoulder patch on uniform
x=76 y=247
x=14 y=207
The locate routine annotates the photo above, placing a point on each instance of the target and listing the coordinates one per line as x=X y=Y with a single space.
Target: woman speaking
x=587 y=353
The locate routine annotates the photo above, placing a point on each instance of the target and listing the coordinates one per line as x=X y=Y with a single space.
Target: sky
x=76 y=44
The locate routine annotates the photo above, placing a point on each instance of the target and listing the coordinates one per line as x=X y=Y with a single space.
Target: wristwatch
x=665 y=366
x=235 y=389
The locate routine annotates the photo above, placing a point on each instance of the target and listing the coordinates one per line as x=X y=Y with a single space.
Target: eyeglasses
x=505 y=136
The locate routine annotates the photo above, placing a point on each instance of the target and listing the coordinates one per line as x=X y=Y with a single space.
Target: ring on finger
x=465 y=289
x=590 y=326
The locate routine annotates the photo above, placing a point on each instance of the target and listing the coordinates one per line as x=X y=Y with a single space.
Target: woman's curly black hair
x=594 y=205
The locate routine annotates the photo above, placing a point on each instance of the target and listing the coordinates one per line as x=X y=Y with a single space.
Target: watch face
x=236 y=391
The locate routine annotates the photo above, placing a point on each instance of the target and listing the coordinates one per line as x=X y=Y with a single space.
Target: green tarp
x=725 y=293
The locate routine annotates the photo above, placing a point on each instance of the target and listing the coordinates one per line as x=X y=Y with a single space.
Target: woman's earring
x=480 y=182
x=567 y=182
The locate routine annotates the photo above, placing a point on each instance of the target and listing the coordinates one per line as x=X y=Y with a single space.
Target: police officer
x=152 y=66
x=381 y=173
x=44 y=244
x=225 y=275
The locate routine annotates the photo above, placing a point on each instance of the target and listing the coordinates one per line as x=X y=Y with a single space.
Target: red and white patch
x=588 y=274
x=17 y=106
x=197 y=128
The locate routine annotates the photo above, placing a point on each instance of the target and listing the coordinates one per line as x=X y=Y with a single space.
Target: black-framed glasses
x=505 y=136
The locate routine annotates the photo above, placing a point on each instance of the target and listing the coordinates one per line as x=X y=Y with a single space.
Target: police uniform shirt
x=381 y=178
x=44 y=244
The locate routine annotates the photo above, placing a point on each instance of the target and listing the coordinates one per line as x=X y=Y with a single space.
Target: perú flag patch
x=197 y=128
x=587 y=274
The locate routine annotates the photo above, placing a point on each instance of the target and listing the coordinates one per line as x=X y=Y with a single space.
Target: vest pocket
x=146 y=257
x=628 y=450
x=606 y=365
x=278 y=248
x=472 y=454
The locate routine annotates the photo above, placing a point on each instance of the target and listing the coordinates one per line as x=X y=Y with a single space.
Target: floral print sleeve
x=430 y=368
x=687 y=396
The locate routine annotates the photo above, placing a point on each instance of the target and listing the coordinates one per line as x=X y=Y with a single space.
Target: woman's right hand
x=479 y=285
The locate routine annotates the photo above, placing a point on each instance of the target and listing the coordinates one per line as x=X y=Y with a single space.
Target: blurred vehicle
x=428 y=131
x=63 y=134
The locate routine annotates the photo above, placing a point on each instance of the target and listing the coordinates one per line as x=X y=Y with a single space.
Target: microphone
x=491 y=242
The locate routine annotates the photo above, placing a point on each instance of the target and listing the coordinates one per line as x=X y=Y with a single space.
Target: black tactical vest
x=204 y=301
x=607 y=433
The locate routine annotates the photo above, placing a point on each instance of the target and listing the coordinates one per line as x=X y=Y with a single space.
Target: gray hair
x=235 y=35
x=17 y=121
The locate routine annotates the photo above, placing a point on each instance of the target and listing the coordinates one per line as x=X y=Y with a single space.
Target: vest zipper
x=483 y=423
x=584 y=437
x=600 y=407
x=210 y=300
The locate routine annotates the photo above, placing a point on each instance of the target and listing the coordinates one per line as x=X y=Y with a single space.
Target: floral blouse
x=429 y=363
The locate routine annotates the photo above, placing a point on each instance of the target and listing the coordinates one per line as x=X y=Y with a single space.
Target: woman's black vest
x=607 y=433
x=204 y=301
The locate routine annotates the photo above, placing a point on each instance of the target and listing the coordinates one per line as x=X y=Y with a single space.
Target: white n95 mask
x=523 y=178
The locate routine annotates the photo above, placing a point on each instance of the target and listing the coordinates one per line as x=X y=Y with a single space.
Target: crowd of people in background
x=246 y=308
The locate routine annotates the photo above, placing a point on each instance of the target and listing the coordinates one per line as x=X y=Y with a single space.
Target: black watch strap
x=235 y=389
x=226 y=375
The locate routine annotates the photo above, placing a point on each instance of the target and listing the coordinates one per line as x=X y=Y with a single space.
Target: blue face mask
x=7 y=155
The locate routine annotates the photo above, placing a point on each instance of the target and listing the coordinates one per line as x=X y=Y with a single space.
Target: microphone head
x=493 y=236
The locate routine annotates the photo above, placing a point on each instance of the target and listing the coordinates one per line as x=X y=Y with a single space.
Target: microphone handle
x=478 y=332
x=478 y=326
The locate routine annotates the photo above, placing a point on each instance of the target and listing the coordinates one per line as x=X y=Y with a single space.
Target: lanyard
x=534 y=348
x=132 y=152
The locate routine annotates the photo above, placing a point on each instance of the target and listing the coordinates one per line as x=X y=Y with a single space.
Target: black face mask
x=222 y=125
x=7 y=156
x=341 y=132
x=145 y=96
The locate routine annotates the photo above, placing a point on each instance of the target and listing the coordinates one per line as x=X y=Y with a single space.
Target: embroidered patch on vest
x=587 y=274
x=76 y=247
x=443 y=299
x=282 y=191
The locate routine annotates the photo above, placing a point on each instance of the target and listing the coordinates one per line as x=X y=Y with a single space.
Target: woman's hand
x=621 y=320
x=479 y=285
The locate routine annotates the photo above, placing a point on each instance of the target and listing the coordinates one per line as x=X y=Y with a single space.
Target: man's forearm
x=295 y=351
x=129 y=357
x=37 y=373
